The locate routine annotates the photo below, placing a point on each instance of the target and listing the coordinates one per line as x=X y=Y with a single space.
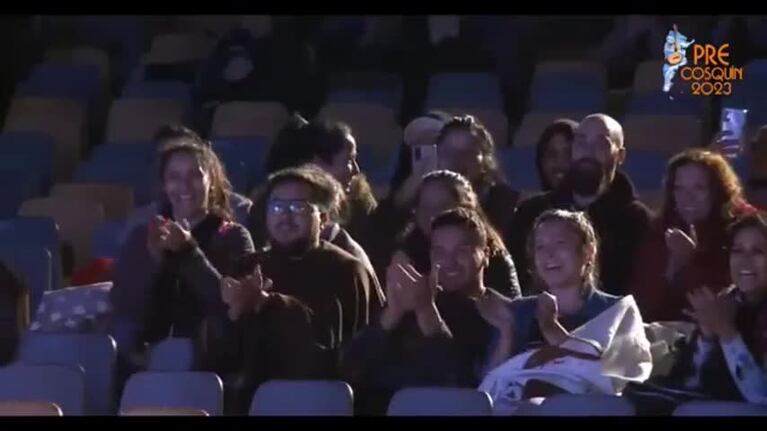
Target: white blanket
x=621 y=352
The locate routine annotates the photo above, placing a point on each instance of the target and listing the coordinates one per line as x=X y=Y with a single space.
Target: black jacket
x=619 y=220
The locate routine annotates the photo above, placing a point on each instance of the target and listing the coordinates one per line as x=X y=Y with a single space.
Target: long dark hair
x=563 y=126
x=220 y=188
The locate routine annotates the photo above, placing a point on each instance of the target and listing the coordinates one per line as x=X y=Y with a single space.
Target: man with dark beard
x=295 y=301
x=595 y=185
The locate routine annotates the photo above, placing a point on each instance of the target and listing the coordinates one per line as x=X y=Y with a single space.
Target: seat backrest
x=585 y=405
x=172 y=354
x=83 y=55
x=533 y=124
x=137 y=120
x=648 y=77
x=54 y=383
x=117 y=200
x=481 y=90
x=107 y=238
x=95 y=353
x=172 y=48
x=438 y=401
x=720 y=408
x=372 y=124
x=666 y=133
x=189 y=389
x=163 y=411
x=37 y=148
x=62 y=119
x=35 y=232
x=34 y=265
x=240 y=119
x=303 y=398
x=520 y=168
x=29 y=408
x=76 y=219
x=646 y=168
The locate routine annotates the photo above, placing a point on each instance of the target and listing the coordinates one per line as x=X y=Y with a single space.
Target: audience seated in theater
x=684 y=248
x=438 y=324
x=332 y=147
x=727 y=355
x=168 y=135
x=595 y=185
x=166 y=279
x=552 y=153
x=297 y=300
x=441 y=191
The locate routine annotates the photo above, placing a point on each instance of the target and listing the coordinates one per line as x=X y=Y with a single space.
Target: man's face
x=292 y=221
x=595 y=157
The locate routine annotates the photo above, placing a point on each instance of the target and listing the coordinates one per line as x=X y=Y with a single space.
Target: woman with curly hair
x=684 y=249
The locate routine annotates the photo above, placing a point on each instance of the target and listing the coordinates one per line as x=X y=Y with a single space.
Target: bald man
x=593 y=184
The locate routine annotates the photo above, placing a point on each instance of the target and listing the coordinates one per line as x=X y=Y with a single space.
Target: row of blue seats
x=77 y=372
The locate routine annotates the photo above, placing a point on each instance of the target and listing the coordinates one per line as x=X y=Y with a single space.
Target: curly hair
x=465 y=197
x=491 y=172
x=579 y=223
x=723 y=182
x=467 y=218
x=220 y=188
x=326 y=192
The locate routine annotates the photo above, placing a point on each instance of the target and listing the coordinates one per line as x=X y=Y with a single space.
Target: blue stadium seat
x=646 y=168
x=35 y=232
x=568 y=92
x=190 y=389
x=720 y=408
x=303 y=398
x=377 y=170
x=159 y=90
x=370 y=87
x=471 y=90
x=172 y=354
x=585 y=405
x=248 y=151
x=35 y=265
x=144 y=152
x=124 y=32
x=37 y=148
x=64 y=386
x=138 y=175
x=67 y=81
x=520 y=168
x=438 y=401
x=106 y=239
x=95 y=353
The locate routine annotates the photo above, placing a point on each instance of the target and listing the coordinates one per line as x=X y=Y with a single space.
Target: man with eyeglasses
x=296 y=300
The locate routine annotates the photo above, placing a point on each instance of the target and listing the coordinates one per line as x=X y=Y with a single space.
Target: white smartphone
x=733 y=126
x=424 y=158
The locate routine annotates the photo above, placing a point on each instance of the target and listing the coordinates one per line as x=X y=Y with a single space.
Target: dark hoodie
x=619 y=220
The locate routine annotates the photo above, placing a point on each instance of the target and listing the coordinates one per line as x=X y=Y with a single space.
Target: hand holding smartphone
x=424 y=158
x=732 y=131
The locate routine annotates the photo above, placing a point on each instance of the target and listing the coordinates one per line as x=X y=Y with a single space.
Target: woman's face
x=748 y=262
x=558 y=254
x=693 y=197
x=344 y=165
x=459 y=151
x=434 y=199
x=556 y=160
x=460 y=256
x=187 y=185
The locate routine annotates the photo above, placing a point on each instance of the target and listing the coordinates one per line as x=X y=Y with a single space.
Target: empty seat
x=36 y=148
x=34 y=265
x=18 y=183
x=562 y=86
x=720 y=408
x=75 y=219
x=438 y=401
x=61 y=119
x=95 y=353
x=648 y=77
x=660 y=103
x=138 y=175
x=244 y=159
x=106 y=239
x=138 y=152
x=172 y=354
x=116 y=199
x=35 y=232
x=189 y=390
x=533 y=124
x=61 y=385
x=476 y=90
x=87 y=55
x=174 y=90
x=366 y=87
x=584 y=405
x=303 y=398
x=29 y=408
x=666 y=133
x=80 y=82
x=163 y=411
x=137 y=120
x=520 y=168
x=248 y=119
x=175 y=48
x=646 y=168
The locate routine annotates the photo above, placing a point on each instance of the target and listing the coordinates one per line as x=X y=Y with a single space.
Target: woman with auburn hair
x=684 y=249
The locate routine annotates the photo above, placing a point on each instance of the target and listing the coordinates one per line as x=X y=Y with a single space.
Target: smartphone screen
x=733 y=127
x=424 y=157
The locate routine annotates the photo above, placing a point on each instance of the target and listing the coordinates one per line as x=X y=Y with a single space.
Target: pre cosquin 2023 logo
x=710 y=73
